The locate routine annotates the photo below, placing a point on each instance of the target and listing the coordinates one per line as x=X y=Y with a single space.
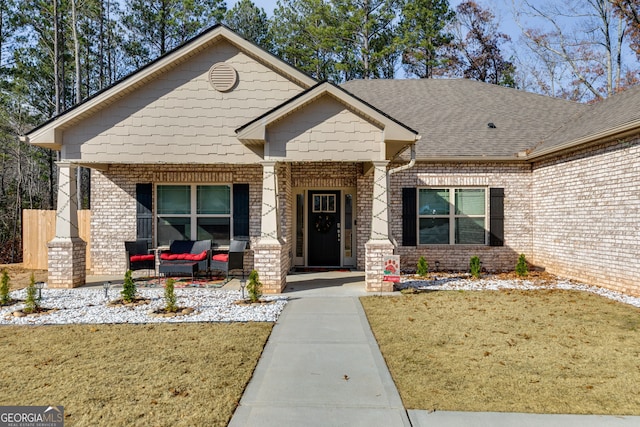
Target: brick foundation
x=67 y=263
x=374 y=272
x=271 y=262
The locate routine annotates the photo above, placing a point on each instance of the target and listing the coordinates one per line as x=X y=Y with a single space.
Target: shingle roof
x=452 y=115
x=617 y=110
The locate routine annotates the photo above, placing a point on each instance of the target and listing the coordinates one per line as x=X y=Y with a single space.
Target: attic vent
x=223 y=77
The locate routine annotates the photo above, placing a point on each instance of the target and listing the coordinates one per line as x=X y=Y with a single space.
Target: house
x=221 y=140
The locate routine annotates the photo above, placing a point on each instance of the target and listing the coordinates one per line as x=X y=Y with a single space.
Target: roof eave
x=469 y=159
x=620 y=131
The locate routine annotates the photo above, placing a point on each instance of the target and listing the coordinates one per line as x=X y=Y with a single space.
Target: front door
x=324 y=228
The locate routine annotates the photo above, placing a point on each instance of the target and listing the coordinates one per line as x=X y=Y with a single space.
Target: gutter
x=390 y=172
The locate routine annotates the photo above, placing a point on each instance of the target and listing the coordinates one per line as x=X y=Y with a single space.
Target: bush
x=522 y=269
x=254 y=287
x=4 y=288
x=129 y=290
x=474 y=266
x=31 y=303
x=170 y=296
x=423 y=267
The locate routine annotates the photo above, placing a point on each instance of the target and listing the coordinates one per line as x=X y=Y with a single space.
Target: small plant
x=474 y=266
x=522 y=269
x=170 y=296
x=31 y=303
x=423 y=267
x=129 y=290
x=254 y=287
x=4 y=288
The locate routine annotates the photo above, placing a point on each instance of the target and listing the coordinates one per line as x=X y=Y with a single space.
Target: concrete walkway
x=322 y=367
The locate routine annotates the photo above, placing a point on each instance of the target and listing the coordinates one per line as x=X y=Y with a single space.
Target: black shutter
x=496 y=220
x=144 y=212
x=409 y=225
x=241 y=211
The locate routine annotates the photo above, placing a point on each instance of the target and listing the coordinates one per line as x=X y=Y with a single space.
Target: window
x=452 y=216
x=193 y=212
x=324 y=203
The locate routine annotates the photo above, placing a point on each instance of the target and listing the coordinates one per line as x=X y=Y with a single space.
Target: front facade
x=220 y=140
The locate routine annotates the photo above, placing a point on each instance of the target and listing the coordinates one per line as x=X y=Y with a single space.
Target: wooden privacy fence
x=39 y=228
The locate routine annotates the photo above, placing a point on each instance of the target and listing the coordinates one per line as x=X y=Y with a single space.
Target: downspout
x=390 y=172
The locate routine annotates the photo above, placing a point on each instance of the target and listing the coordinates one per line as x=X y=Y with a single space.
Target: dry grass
x=20 y=276
x=131 y=375
x=511 y=351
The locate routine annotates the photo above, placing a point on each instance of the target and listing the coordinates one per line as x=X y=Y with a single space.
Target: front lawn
x=132 y=375
x=543 y=351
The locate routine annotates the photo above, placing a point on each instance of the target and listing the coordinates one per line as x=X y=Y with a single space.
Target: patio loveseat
x=186 y=257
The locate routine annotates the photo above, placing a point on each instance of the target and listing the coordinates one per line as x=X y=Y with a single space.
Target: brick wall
x=516 y=181
x=587 y=215
x=113 y=198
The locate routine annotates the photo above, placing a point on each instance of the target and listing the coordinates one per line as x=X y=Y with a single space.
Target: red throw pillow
x=221 y=257
x=138 y=258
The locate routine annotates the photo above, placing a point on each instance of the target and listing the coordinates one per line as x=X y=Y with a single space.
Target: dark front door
x=324 y=229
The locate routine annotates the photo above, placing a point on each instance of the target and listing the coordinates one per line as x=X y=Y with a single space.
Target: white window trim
x=452 y=215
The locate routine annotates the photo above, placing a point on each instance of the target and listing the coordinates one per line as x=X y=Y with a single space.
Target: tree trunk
x=56 y=63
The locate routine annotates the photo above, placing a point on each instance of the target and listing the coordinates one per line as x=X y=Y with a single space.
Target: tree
x=154 y=27
x=368 y=38
x=251 y=22
x=581 y=39
x=304 y=34
x=423 y=36
x=477 y=54
x=629 y=10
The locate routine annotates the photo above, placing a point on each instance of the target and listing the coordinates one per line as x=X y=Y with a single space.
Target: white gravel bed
x=89 y=306
x=462 y=283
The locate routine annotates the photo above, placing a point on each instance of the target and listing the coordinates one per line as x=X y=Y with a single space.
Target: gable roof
x=255 y=131
x=49 y=133
x=453 y=115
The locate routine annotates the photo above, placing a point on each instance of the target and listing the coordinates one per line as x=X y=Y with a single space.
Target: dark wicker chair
x=138 y=256
x=225 y=262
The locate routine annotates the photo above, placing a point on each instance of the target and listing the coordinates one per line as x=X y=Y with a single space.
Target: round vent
x=223 y=77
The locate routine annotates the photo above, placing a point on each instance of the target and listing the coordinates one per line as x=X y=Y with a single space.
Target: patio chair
x=232 y=260
x=138 y=256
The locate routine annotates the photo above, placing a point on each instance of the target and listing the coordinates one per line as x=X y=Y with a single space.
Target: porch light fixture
x=437 y=265
x=39 y=286
x=491 y=125
x=106 y=286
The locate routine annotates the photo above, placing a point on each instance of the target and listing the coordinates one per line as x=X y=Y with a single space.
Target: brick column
x=268 y=253
x=379 y=244
x=67 y=251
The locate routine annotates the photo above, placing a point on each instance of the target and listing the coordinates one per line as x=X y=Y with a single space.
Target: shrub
x=31 y=303
x=474 y=266
x=423 y=267
x=4 y=288
x=522 y=269
x=254 y=287
x=129 y=290
x=170 y=296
